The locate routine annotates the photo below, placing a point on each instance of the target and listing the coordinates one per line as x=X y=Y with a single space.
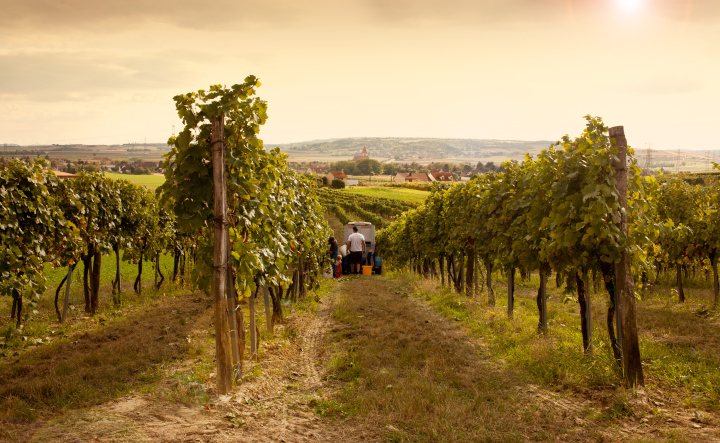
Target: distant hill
x=411 y=149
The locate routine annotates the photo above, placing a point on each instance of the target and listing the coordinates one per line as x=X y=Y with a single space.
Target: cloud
x=112 y=16
x=93 y=15
x=84 y=75
x=463 y=11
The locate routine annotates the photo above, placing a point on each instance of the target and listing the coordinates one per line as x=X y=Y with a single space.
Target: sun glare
x=630 y=6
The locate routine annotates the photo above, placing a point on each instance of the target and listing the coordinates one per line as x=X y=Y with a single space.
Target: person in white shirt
x=356 y=246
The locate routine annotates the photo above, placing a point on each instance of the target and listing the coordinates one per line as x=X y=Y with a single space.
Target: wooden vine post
x=625 y=296
x=223 y=353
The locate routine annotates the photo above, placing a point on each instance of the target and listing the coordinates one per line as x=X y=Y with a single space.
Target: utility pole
x=649 y=159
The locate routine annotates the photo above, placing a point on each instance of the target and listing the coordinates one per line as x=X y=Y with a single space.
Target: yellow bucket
x=367 y=270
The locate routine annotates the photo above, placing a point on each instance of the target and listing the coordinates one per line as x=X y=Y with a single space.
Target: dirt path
x=415 y=375
x=274 y=405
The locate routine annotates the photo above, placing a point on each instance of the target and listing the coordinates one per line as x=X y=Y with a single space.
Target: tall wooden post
x=625 y=295
x=67 y=294
x=223 y=354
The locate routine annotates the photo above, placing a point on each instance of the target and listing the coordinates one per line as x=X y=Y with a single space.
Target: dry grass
x=679 y=343
x=98 y=365
x=475 y=375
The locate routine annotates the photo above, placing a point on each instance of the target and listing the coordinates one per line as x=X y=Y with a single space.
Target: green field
x=149 y=181
x=128 y=272
x=402 y=194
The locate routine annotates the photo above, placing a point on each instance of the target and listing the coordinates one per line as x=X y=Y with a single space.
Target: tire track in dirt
x=274 y=406
x=312 y=341
x=288 y=416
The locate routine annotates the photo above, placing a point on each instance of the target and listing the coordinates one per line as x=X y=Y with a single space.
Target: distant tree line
x=24 y=152
x=370 y=166
x=489 y=167
x=367 y=166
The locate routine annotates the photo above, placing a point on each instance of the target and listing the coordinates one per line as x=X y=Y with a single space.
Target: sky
x=104 y=72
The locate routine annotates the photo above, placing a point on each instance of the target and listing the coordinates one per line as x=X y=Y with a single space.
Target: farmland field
x=408 y=195
x=149 y=181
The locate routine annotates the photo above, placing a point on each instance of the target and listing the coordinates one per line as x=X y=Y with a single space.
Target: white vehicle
x=367 y=229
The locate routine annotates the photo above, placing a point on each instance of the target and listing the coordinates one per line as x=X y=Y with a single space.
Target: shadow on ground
x=92 y=368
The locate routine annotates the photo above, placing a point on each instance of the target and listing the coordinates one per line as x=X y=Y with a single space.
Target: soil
x=277 y=403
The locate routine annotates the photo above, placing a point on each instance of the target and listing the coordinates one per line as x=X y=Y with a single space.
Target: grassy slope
x=402 y=194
